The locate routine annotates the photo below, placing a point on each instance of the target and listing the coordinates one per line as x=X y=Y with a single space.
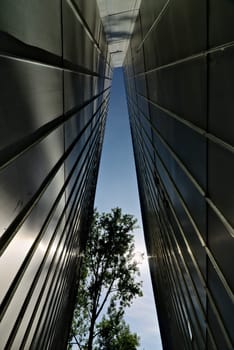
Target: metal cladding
x=179 y=77
x=55 y=81
x=118 y=18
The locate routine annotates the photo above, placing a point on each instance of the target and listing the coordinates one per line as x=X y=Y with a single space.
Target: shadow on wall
x=23 y=91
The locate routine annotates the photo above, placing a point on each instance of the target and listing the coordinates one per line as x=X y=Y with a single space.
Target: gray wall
x=179 y=77
x=55 y=78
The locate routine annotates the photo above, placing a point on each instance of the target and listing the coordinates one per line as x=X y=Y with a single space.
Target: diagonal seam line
x=18 y=221
x=85 y=26
x=44 y=227
x=12 y=152
x=67 y=65
x=189 y=124
x=219 y=272
x=182 y=60
x=50 y=306
x=192 y=220
x=155 y=23
x=10 y=290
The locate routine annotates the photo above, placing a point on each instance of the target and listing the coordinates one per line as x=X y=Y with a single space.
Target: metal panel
x=175 y=135
x=31 y=98
x=179 y=64
x=53 y=107
x=221 y=73
x=220 y=22
x=221 y=177
x=177 y=31
x=118 y=18
x=78 y=44
x=171 y=88
x=44 y=33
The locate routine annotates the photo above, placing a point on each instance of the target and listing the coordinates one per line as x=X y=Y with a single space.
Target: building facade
x=55 y=84
x=179 y=77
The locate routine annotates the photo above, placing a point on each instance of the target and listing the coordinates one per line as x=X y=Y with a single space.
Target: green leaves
x=108 y=277
x=114 y=333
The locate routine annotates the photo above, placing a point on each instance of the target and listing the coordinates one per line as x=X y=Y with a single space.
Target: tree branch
x=106 y=297
x=77 y=343
x=96 y=334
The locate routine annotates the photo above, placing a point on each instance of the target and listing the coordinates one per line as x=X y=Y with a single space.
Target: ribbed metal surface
x=55 y=79
x=179 y=76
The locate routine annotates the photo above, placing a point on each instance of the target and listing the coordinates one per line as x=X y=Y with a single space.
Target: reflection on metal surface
x=184 y=158
x=118 y=18
x=55 y=67
x=54 y=102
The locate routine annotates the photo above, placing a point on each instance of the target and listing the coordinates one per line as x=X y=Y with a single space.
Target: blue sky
x=117 y=187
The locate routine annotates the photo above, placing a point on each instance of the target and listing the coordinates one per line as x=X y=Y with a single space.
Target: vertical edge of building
x=55 y=82
x=179 y=77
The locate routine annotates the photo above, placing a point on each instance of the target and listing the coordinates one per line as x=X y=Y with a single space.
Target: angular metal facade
x=55 y=81
x=179 y=77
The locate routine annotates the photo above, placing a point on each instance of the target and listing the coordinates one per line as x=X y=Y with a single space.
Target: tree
x=114 y=333
x=108 y=277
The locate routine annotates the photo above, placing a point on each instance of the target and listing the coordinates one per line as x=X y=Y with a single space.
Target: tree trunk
x=91 y=332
